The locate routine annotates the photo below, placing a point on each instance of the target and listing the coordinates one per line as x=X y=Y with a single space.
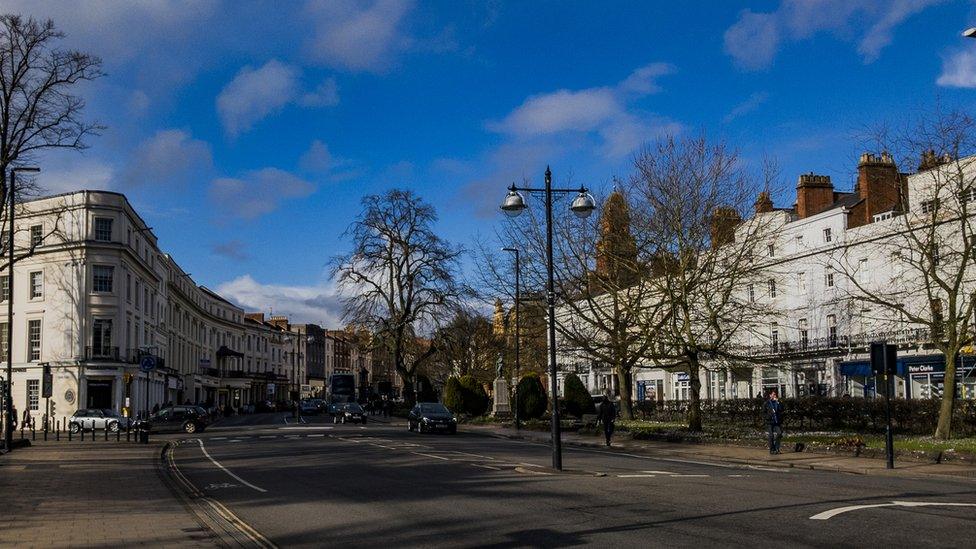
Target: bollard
x=106 y=432
x=128 y=429
x=33 y=432
x=118 y=433
x=57 y=430
x=69 y=433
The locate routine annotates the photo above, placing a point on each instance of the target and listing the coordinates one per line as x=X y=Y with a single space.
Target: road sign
x=147 y=363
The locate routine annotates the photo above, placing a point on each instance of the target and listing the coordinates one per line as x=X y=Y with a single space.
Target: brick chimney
x=764 y=203
x=723 y=223
x=879 y=186
x=257 y=317
x=279 y=321
x=814 y=194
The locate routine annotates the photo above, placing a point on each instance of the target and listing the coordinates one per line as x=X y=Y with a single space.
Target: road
x=319 y=484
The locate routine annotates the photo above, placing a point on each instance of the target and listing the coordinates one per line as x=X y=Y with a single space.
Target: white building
x=98 y=297
x=827 y=249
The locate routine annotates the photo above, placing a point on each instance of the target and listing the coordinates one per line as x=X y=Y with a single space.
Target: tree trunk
x=694 y=394
x=943 y=429
x=625 y=382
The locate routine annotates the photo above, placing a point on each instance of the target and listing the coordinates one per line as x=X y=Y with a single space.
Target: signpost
x=147 y=364
x=883 y=357
x=47 y=382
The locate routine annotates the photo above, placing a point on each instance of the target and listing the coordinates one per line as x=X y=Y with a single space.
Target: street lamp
x=583 y=205
x=518 y=334
x=8 y=437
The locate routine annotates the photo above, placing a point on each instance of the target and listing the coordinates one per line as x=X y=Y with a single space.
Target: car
x=349 y=412
x=431 y=416
x=310 y=407
x=97 y=418
x=186 y=419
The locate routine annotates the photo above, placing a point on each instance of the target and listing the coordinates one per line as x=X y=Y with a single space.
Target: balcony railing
x=102 y=353
x=838 y=343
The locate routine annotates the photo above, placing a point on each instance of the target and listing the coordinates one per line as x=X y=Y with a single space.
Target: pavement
x=92 y=494
x=748 y=455
x=267 y=481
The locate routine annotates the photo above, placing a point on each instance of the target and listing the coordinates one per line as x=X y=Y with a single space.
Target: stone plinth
x=502 y=405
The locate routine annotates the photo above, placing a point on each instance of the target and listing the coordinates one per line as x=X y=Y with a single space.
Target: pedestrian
x=773 y=410
x=12 y=420
x=607 y=415
x=27 y=422
x=155 y=408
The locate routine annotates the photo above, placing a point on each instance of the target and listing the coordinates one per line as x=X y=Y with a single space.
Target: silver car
x=97 y=419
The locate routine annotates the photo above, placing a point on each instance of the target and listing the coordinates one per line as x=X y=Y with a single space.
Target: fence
x=62 y=430
x=916 y=416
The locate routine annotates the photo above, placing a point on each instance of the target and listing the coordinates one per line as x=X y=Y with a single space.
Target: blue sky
x=246 y=132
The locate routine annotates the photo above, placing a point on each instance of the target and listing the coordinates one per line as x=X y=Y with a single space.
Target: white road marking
x=635 y=476
x=431 y=456
x=660 y=472
x=309 y=428
x=218 y=438
x=268 y=436
x=834 y=512
x=317 y=435
x=486 y=467
x=226 y=470
x=219 y=485
x=690 y=476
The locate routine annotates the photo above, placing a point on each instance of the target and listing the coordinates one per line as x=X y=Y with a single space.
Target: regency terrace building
x=98 y=299
x=826 y=248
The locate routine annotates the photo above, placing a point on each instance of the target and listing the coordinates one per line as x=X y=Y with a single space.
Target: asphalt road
x=319 y=484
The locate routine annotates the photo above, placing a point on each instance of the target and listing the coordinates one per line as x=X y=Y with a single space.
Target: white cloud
x=958 y=70
x=325 y=95
x=257 y=192
x=754 y=39
x=318 y=304
x=603 y=110
x=170 y=157
x=68 y=171
x=357 y=36
x=255 y=93
x=747 y=106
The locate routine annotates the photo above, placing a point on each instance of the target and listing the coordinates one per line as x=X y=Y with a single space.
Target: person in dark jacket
x=773 y=410
x=607 y=415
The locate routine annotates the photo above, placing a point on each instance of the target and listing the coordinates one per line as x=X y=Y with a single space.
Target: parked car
x=310 y=408
x=349 y=412
x=265 y=406
x=187 y=419
x=97 y=419
x=431 y=416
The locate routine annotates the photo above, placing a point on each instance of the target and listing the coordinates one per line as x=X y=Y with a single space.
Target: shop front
x=927 y=376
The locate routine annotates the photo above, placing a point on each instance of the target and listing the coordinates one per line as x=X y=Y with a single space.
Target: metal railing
x=103 y=353
x=831 y=344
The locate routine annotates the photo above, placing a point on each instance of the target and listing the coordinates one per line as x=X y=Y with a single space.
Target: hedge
x=532 y=398
x=910 y=417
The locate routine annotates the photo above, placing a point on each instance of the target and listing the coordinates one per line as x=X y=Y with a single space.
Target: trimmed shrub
x=576 y=398
x=532 y=398
x=454 y=395
x=475 y=397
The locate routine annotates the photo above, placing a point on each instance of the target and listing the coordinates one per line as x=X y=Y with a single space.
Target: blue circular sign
x=147 y=363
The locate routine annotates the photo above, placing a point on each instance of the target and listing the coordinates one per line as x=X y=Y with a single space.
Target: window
x=772 y=288
x=968 y=195
x=138 y=293
x=802 y=326
x=829 y=278
x=771 y=250
x=929 y=206
x=102 y=278
x=36 y=285
x=36 y=235
x=101 y=336
x=33 y=340
x=128 y=287
x=827 y=235
x=801 y=283
x=5 y=287
x=3 y=341
x=832 y=330
x=935 y=254
x=862 y=269
x=774 y=337
x=103 y=229
x=33 y=394
x=799 y=240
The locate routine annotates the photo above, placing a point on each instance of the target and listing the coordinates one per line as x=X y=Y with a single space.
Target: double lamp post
x=583 y=205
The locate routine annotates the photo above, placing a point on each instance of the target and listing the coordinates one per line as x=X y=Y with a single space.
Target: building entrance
x=100 y=393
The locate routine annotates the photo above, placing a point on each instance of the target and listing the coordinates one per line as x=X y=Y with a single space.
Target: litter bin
x=144 y=436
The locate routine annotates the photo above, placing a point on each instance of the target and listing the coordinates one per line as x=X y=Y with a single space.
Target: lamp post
x=518 y=332
x=8 y=437
x=583 y=205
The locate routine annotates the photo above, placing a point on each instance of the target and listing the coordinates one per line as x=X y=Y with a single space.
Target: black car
x=431 y=416
x=186 y=419
x=349 y=412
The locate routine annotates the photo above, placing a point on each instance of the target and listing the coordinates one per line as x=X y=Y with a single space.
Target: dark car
x=349 y=412
x=431 y=416
x=186 y=419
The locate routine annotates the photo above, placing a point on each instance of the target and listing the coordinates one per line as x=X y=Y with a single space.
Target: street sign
x=147 y=363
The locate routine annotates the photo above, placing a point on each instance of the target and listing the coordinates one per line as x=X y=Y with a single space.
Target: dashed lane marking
x=226 y=470
x=218 y=438
x=493 y=468
x=431 y=456
x=636 y=476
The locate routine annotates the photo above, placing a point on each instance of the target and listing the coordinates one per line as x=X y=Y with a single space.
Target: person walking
x=607 y=415
x=773 y=409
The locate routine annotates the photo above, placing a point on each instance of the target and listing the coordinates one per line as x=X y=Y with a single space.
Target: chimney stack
x=764 y=203
x=879 y=186
x=814 y=194
x=723 y=223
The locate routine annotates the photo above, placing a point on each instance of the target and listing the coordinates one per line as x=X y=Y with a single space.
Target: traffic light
x=883 y=354
x=47 y=383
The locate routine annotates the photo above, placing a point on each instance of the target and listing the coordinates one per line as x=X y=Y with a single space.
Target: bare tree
x=38 y=109
x=693 y=197
x=400 y=279
x=919 y=267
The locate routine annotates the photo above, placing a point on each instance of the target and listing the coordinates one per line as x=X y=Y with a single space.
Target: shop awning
x=224 y=352
x=856 y=368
